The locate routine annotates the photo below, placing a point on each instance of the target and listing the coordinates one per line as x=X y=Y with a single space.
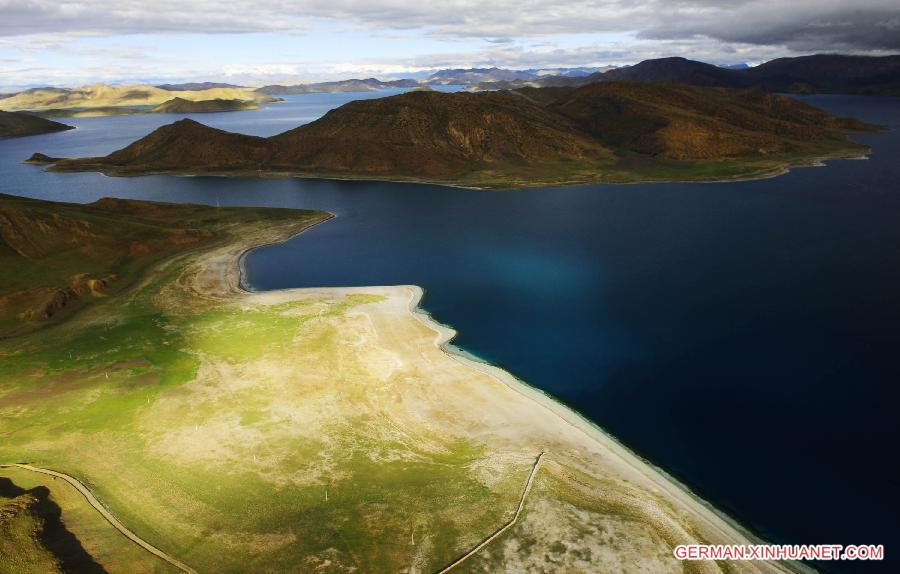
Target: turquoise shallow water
x=742 y=336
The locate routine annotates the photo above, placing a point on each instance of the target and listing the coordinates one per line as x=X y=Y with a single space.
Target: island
x=610 y=132
x=17 y=124
x=344 y=433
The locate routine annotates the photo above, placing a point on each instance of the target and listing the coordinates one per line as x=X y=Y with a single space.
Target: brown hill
x=431 y=134
x=671 y=70
x=66 y=255
x=615 y=131
x=58 y=257
x=16 y=124
x=189 y=145
x=685 y=123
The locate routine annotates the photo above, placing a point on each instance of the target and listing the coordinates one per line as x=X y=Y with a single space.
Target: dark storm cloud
x=799 y=25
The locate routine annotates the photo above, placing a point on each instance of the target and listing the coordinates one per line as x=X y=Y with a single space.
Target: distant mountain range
x=821 y=73
x=455 y=77
x=367 y=85
x=606 y=131
x=196 y=86
x=474 y=76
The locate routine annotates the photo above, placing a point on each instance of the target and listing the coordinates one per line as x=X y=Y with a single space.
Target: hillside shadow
x=53 y=534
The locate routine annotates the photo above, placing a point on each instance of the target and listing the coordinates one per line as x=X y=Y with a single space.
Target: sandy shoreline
x=716 y=526
x=730 y=529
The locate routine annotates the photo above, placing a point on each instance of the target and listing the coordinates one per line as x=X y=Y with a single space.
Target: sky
x=69 y=43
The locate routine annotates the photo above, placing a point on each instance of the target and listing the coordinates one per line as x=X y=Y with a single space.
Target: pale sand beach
x=461 y=395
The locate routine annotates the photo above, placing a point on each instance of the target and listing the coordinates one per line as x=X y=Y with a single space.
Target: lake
x=744 y=337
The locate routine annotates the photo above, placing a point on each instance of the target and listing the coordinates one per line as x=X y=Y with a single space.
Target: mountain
x=432 y=135
x=367 y=85
x=673 y=70
x=691 y=123
x=823 y=73
x=829 y=74
x=572 y=72
x=182 y=106
x=189 y=145
x=196 y=86
x=465 y=77
x=609 y=131
x=17 y=124
x=101 y=95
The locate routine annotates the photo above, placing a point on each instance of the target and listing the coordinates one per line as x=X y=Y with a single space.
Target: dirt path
x=503 y=528
x=106 y=514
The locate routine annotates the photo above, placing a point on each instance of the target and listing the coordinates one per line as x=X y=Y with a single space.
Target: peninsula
x=605 y=132
x=344 y=433
x=13 y=125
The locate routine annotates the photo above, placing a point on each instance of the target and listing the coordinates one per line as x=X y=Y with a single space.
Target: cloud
x=800 y=25
x=72 y=42
x=803 y=25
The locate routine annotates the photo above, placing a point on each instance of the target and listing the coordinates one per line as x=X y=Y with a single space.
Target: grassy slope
x=82 y=397
x=213 y=424
x=58 y=249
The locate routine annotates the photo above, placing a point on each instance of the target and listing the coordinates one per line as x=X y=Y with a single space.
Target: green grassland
x=98 y=397
x=298 y=431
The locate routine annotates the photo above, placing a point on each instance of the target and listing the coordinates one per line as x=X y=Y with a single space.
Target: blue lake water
x=744 y=336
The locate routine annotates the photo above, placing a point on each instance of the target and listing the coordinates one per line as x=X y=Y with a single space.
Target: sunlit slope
x=323 y=429
x=98 y=95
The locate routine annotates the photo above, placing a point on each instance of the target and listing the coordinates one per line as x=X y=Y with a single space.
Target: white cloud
x=803 y=24
x=63 y=36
